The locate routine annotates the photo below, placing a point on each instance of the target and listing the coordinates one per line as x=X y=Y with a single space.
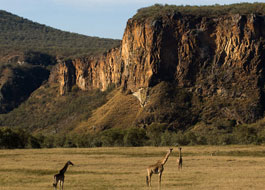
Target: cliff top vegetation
x=159 y=10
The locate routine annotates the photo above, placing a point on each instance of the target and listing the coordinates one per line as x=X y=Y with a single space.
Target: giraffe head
x=170 y=149
x=70 y=163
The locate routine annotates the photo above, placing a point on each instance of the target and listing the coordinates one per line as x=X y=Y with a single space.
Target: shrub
x=154 y=132
x=245 y=135
x=134 y=137
x=169 y=139
x=33 y=142
x=48 y=142
x=10 y=138
x=112 y=137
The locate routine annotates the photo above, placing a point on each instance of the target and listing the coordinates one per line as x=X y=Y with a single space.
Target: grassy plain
x=204 y=167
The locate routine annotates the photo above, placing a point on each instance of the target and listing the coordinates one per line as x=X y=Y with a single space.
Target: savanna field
x=204 y=167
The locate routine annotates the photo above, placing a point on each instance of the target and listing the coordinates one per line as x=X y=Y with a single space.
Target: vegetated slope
x=166 y=104
x=94 y=111
x=20 y=35
x=48 y=112
x=19 y=78
x=120 y=111
x=17 y=83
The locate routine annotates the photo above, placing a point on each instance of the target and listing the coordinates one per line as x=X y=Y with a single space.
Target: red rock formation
x=216 y=58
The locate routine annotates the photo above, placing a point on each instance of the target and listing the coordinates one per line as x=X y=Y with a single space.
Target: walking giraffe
x=179 y=160
x=60 y=176
x=157 y=168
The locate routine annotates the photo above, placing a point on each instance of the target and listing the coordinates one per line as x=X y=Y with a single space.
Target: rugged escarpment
x=217 y=62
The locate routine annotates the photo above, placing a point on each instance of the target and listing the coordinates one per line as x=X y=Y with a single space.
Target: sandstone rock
x=220 y=58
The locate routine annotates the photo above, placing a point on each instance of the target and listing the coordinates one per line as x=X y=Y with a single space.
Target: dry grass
x=112 y=113
x=231 y=167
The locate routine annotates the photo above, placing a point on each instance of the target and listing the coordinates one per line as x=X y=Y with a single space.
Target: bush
x=245 y=135
x=134 y=137
x=154 y=132
x=169 y=139
x=10 y=138
x=48 y=142
x=112 y=137
x=33 y=142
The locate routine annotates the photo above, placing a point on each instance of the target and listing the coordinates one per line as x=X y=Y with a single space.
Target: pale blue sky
x=102 y=18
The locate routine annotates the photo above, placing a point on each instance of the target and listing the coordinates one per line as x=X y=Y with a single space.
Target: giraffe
x=60 y=176
x=179 y=160
x=157 y=168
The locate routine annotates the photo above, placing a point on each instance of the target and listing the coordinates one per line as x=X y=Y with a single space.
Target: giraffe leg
x=149 y=179
x=62 y=182
x=54 y=186
x=61 y=185
x=159 y=179
x=55 y=183
x=180 y=165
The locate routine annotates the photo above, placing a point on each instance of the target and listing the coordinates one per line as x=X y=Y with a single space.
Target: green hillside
x=19 y=35
x=28 y=51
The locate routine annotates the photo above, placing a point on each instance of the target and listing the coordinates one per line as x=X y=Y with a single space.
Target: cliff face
x=218 y=60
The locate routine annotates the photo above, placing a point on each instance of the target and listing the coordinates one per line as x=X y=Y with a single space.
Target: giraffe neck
x=180 y=155
x=63 y=170
x=165 y=159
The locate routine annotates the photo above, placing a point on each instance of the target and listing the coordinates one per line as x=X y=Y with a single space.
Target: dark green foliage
x=154 y=132
x=112 y=137
x=245 y=135
x=134 y=137
x=21 y=35
x=34 y=142
x=156 y=135
x=156 y=11
x=12 y=138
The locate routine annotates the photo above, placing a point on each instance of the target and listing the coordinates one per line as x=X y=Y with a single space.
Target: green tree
x=135 y=137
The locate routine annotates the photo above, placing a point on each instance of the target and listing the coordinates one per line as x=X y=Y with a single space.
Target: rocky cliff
x=217 y=60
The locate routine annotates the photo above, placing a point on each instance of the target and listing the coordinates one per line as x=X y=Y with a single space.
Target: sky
x=101 y=18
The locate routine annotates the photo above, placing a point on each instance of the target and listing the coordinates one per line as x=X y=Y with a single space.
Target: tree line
x=154 y=135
